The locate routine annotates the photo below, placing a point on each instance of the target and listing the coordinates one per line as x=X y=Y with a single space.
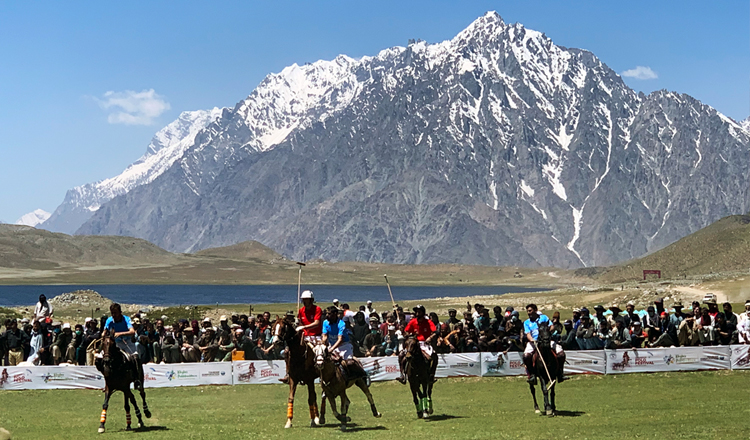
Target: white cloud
x=133 y=108
x=640 y=72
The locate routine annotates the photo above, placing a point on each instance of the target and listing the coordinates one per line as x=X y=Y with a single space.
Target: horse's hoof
x=147 y=413
x=550 y=413
x=419 y=414
x=348 y=419
x=377 y=415
x=128 y=428
x=139 y=425
x=288 y=424
x=321 y=421
x=343 y=428
x=101 y=430
x=537 y=411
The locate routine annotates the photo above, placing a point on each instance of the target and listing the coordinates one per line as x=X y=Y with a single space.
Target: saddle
x=536 y=356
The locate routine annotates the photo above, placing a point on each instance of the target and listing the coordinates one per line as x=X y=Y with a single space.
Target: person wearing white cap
x=336 y=303
x=743 y=327
x=369 y=309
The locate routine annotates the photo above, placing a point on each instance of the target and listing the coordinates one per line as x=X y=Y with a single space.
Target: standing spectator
x=14 y=342
x=79 y=355
x=37 y=344
x=391 y=341
x=43 y=311
x=556 y=327
x=347 y=315
x=435 y=320
x=90 y=334
x=569 y=338
x=359 y=331
x=743 y=328
x=369 y=309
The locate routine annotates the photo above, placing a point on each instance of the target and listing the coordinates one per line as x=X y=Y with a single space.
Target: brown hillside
x=720 y=247
x=30 y=248
x=247 y=250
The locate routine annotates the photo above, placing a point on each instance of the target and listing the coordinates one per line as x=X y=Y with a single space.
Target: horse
x=117 y=369
x=545 y=369
x=300 y=363
x=418 y=372
x=334 y=382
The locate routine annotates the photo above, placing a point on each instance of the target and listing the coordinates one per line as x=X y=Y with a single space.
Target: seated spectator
x=619 y=337
x=705 y=327
x=391 y=341
x=498 y=321
x=170 y=347
x=726 y=332
x=556 y=328
x=598 y=315
x=142 y=349
x=637 y=335
x=651 y=324
x=586 y=334
x=729 y=315
x=687 y=334
x=452 y=320
x=668 y=336
x=678 y=316
x=189 y=350
x=226 y=346
x=743 y=328
x=62 y=342
x=612 y=319
x=208 y=345
x=602 y=334
x=482 y=322
x=373 y=343
x=569 y=337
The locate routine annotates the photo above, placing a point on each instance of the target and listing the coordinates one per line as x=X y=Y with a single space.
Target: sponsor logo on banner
x=743 y=360
x=22 y=377
x=375 y=368
x=246 y=377
x=213 y=373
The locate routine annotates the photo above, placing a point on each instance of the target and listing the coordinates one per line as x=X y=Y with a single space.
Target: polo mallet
x=389 y=290
x=299 y=283
x=545 y=367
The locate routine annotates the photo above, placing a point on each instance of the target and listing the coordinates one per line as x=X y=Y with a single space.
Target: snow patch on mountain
x=33 y=218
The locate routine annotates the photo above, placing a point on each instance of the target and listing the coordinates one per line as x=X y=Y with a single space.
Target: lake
x=169 y=295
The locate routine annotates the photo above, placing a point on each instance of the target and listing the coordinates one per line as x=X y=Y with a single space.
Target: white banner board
x=184 y=375
x=511 y=364
x=458 y=364
x=740 y=357
x=258 y=372
x=502 y=364
x=650 y=360
x=50 y=378
x=585 y=362
x=381 y=368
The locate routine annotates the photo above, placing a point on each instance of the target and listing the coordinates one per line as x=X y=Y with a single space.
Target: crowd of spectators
x=44 y=341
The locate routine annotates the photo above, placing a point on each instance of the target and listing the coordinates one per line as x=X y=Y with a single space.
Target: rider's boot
x=285 y=379
x=401 y=378
x=529 y=363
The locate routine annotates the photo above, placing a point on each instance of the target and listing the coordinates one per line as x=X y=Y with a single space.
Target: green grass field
x=661 y=406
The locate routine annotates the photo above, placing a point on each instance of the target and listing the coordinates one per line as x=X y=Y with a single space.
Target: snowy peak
x=746 y=125
x=185 y=127
x=33 y=218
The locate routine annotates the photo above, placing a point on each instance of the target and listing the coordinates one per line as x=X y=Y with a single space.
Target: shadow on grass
x=559 y=413
x=441 y=417
x=365 y=428
x=151 y=428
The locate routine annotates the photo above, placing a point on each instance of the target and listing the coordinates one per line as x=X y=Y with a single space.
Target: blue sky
x=58 y=59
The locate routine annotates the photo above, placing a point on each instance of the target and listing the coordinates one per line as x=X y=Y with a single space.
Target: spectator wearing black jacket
x=15 y=339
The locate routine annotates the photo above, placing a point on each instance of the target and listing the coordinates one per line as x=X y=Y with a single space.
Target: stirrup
x=531 y=379
x=402 y=379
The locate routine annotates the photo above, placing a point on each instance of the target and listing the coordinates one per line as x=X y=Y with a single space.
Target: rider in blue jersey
x=531 y=333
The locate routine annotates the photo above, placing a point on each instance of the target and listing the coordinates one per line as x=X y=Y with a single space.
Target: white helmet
x=307 y=294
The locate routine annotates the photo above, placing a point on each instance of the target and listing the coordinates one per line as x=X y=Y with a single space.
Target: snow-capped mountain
x=746 y=124
x=496 y=147
x=34 y=218
x=167 y=146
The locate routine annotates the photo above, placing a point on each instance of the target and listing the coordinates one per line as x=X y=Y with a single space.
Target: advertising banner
x=740 y=357
x=258 y=372
x=502 y=364
x=381 y=368
x=183 y=375
x=50 y=378
x=458 y=364
x=585 y=362
x=651 y=360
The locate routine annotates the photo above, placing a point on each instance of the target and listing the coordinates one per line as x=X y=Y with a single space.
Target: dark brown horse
x=119 y=371
x=300 y=363
x=545 y=369
x=334 y=382
x=420 y=375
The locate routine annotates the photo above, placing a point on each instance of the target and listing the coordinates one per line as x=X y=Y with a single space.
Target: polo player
x=310 y=317
x=531 y=330
x=337 y=336
x=424 y=329
x=121 y=328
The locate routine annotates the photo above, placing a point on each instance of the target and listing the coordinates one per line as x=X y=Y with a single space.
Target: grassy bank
x=702 y=405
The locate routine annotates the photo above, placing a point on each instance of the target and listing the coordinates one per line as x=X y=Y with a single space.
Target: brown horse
x=300 y=363
x=335 y=383
x=119 y=371
x=545 y=369
x=420 y=375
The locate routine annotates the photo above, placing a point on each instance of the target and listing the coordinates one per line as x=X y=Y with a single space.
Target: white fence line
x=386 y=368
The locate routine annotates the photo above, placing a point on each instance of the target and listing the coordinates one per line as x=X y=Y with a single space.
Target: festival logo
x=22 y=377
x=245 y=377
x=620 y=366
x=4 y=377
x=743 y=360
x=375 y=368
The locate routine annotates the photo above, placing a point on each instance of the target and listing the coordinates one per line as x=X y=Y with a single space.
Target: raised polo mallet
x=299 y=283
x=389 y=290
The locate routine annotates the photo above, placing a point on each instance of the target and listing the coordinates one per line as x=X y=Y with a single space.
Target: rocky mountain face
x=167 y=145
x=496 y=147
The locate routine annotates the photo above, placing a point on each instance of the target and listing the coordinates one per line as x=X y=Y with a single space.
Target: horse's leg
x=290 y=403
x=322 y=420
x=344 y=409
x=142 y=392
x=533 y=395
x=332 y=401
x=127 y=412
x=552 y=400
x=543 y=384
x=425 y=402
x=362 y=384
x=416 y=395
x=103 y=419
x=428 y=394
x=313 y=404
x=137 y=410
